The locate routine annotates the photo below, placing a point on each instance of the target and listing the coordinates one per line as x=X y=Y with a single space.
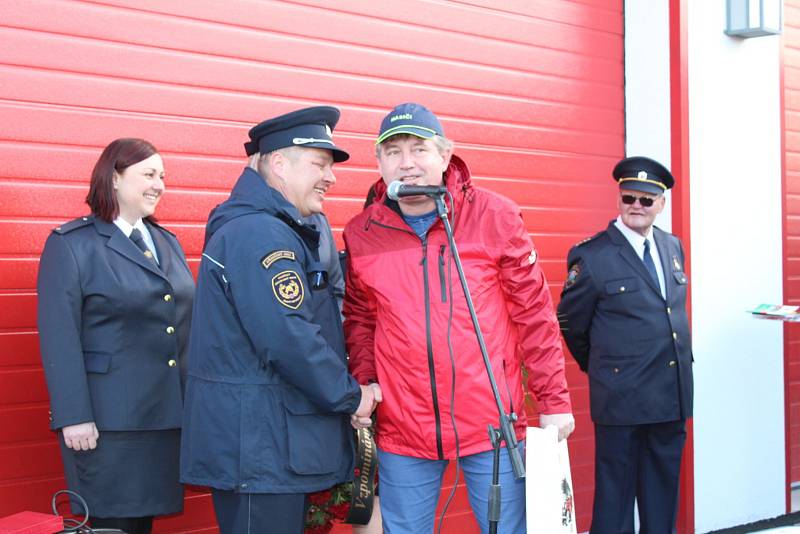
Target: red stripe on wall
x=790 y=153
x=784 y=227
x=679 y=104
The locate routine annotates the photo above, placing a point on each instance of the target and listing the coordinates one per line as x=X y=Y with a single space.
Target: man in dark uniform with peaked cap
x=268 y=397
x=623 y=316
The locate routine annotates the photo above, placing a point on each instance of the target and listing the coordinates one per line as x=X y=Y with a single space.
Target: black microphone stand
x=505 y=430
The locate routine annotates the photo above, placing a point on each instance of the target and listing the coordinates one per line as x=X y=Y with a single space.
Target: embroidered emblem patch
x=532 y=257
x=676 y=263
x=572 y=276
x=288 y=289
x=276 y=255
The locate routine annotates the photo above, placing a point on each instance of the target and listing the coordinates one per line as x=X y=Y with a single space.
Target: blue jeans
x=410 y=487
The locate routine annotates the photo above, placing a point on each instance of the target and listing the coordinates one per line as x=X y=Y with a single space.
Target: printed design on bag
x=568 y=509
x=288 y=289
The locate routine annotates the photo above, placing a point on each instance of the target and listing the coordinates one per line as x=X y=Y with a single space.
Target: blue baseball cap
x=410 y=118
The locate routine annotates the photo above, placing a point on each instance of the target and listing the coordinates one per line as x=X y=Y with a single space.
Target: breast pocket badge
x=288 y=289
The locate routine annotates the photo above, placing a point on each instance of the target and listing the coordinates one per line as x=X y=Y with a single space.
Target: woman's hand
x=82 y=437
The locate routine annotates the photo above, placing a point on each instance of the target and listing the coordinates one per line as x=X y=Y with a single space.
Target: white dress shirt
x=637 y=242
x=126 y=228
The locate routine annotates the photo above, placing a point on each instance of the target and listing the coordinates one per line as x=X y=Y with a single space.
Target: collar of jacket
x=614 y=234
x=252 y=190
x=252 y=194
x=108 y=228
x=619 y=239
x=457 y=178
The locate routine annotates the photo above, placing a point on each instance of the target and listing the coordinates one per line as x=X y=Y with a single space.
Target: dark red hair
x=117 y=156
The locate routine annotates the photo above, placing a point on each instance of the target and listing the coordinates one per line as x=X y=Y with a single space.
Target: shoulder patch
x=572 y=276
x=288 y=289
x=74 y=224
x=276 y=255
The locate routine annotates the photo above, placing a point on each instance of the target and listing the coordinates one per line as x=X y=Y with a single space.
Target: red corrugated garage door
x=530 y=90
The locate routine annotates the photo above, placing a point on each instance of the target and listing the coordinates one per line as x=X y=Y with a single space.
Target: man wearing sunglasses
x=623 y=316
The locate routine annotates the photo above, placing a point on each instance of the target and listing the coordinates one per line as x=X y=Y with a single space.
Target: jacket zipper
x=441 y=273
x=429 y=340
x=508 y=389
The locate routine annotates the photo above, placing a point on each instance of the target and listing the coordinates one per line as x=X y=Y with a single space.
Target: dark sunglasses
x=645 y=202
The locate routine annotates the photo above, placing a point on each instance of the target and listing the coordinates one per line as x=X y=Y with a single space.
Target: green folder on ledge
x=776 y=311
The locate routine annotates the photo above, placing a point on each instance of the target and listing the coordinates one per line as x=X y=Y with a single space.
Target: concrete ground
x=787 y=524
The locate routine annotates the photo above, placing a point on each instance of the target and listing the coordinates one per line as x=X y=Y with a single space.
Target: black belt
x=364 y=481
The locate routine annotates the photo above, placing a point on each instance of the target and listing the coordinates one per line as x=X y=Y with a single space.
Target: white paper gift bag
x=550 y=502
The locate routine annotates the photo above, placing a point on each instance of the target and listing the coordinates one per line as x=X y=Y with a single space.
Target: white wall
x=647 y=111
x=735 y=189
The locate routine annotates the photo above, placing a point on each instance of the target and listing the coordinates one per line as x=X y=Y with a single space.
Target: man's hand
x=371 y=395
x=564 y=422
x=81 y=437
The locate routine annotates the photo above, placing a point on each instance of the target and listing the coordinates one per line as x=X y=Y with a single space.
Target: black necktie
x=649 y=263
x=136 y=237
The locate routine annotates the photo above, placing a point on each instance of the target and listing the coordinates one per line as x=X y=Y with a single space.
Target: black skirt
x=128 y=474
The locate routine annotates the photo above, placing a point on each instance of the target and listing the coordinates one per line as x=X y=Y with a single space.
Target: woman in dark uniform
x=114 y=310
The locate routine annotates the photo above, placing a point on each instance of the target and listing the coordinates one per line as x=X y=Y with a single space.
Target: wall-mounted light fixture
x=754 y=18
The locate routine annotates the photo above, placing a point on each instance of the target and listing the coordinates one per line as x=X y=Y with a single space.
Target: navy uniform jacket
x=634 y=344
x=268 y=394
x=113 y=327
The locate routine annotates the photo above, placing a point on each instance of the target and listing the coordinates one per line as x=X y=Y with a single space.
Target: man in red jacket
x=408 y=328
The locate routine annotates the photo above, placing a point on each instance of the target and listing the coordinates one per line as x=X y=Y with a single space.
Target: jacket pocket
x=97 y=362
x=316 y=439
x=622 y=286
x=680 y=277
x=625 y=350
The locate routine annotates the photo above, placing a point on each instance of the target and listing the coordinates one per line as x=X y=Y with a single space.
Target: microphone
x=398 y=190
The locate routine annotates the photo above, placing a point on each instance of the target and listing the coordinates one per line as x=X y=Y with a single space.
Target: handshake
x=371 y=395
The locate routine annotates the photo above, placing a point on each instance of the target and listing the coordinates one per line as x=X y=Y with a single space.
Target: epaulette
x=161 y=227
x=588 y=239
x=80 y=222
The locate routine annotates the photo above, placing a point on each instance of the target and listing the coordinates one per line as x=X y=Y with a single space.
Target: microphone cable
x=452 y=493
x=72 y=526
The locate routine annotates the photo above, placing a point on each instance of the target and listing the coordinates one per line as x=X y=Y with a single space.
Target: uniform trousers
x=259 y=513
x=129 y=525
x=641 y=463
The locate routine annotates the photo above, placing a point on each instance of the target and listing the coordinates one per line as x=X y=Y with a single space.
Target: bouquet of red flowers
x=328 y=506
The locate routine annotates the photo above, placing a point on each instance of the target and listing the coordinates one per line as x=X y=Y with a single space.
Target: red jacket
x=400 y=293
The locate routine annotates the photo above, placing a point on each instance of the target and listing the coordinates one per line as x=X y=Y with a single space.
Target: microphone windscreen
x=393 y=190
